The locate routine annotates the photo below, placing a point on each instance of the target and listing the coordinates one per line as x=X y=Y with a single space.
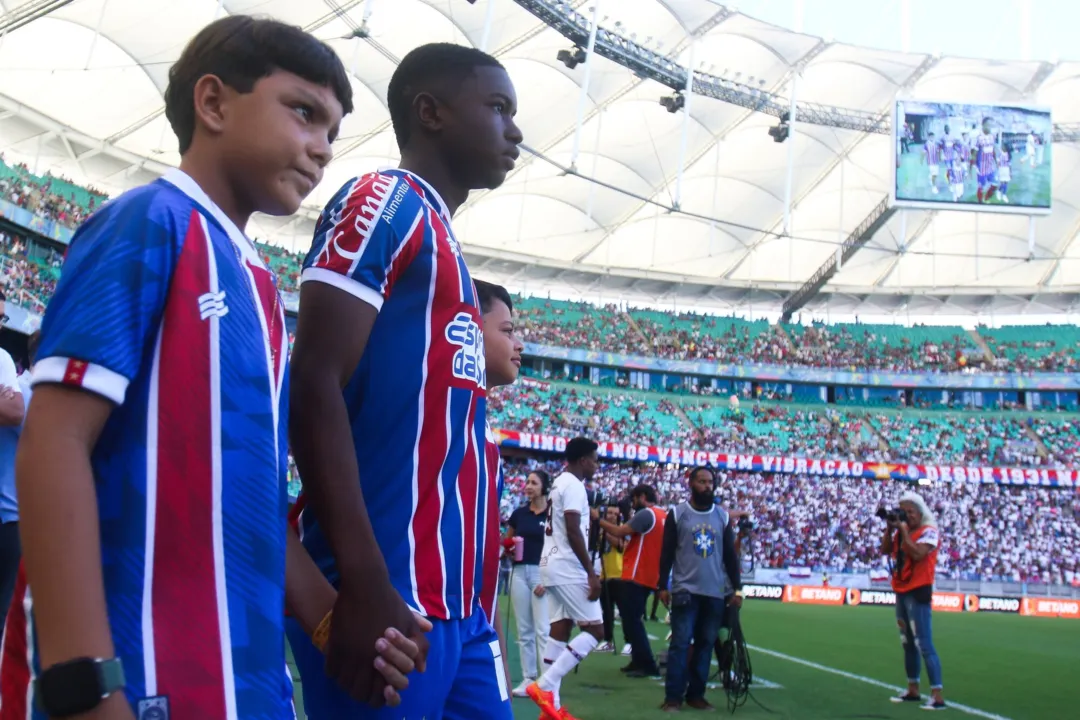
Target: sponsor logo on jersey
x=469 y=361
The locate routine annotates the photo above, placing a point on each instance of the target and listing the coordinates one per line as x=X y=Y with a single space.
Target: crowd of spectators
x=56 y=199
x=989 y=532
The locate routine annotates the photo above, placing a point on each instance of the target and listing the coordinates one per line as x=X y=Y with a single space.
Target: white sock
x=552 y=650
x=574 y=653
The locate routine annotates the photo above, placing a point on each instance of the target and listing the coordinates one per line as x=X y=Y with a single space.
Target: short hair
x=32 y=343
x=579 y=448
x=241 y=50
x=700 y=468
x=487 y=293
x=444 y=63
x=647 y=490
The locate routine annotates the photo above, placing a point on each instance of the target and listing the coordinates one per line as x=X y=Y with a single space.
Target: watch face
x=70 y=688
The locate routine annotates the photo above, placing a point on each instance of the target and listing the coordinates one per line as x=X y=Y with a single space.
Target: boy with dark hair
x=152 y=467
x=389 y=391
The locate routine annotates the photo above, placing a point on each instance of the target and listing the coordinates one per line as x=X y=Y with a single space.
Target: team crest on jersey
x=153 y=708
x=469 y=361
x=704 y=540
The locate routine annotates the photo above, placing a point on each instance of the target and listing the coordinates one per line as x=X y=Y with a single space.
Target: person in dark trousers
x=611 y=562
x=699 y=555
x=641 y=565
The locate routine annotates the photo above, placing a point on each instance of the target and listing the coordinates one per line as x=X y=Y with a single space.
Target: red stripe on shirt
x=185 y=604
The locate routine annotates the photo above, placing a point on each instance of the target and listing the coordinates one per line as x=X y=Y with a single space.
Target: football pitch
x=1029 y=186
x=813 y=662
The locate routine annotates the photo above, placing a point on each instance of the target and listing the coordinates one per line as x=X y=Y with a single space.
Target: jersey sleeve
x=108 y=304
x=575 y=499
x=9 y=376
x=366 y=237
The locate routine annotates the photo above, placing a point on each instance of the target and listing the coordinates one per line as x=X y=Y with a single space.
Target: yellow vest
x=612 y=564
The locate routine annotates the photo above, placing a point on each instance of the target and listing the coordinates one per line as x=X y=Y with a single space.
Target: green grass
x=1010 y=666
x=1029 y=186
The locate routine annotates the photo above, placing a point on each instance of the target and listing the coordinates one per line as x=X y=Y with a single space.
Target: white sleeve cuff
x=372 y=297
x=79 y=373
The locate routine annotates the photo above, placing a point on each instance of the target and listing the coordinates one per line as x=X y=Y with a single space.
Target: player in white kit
x=571 y=583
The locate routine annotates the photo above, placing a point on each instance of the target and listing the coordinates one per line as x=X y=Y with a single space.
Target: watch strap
x=111 y=673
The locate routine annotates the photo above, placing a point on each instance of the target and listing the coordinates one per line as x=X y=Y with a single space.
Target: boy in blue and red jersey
x=152 y=467
x=388 y=391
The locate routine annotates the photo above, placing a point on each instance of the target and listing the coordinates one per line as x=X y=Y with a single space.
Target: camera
x=597 y=499
x=746 y=525
x=895 y=515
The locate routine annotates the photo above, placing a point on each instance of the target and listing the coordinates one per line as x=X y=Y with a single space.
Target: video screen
x=972 y=157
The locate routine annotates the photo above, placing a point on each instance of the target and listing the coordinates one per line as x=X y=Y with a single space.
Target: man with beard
x=699 y=555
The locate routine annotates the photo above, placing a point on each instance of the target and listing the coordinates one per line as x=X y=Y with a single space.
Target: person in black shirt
x=526 y=591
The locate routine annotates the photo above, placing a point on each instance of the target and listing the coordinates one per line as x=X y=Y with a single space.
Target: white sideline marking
x=871 y=681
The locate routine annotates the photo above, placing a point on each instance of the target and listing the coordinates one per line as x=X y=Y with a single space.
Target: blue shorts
x=988 y=179
x=464 y=678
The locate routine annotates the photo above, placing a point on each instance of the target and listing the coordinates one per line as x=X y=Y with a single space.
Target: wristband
x=321 y=636
x=739 y=593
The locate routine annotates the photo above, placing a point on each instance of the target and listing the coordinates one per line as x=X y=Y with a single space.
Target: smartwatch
x=77 y=686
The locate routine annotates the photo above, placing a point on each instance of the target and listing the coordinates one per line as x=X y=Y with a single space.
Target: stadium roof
x=81 y=95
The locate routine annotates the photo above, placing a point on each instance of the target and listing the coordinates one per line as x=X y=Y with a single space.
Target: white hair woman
x=912 y=540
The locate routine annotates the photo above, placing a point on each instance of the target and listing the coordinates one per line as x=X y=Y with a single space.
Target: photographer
x=641 y=574
x=911 y=539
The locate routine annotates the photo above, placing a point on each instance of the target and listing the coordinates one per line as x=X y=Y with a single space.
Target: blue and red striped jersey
x=165 y=309
x=417 y=398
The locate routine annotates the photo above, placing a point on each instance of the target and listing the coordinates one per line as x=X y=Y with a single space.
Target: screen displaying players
x=972 y=157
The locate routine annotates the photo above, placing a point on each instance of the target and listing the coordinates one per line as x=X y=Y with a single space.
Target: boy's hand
x=399 y=656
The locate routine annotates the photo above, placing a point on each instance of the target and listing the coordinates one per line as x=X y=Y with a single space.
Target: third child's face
x=502 y=348
x=283 y=131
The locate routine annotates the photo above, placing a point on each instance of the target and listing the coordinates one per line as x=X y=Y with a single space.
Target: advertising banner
x=814 y=595
x=943 y=601
x=823 y=467
x=984 y=603
x=760 y=591
x=1049 y=607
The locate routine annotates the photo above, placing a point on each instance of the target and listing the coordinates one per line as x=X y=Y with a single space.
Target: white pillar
x=488 y=16
x=791 y=154
x=688 y=93
x=97 y=33
x=840 y=223
x=1031 y=234
x=595 y=161
x=583 y=99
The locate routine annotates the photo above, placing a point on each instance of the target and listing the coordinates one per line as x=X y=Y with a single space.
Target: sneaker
x=605 y=647
x=905 y=697
x=519 y=691
x=629 y=668
x=627 y=650
x=564 y=714
x=700 y=704
x=932 y=704
x=652 y=674
x=544 y=700
x=671 y=706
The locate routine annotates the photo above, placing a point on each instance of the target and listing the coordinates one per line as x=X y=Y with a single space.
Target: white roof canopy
x=81 y=95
